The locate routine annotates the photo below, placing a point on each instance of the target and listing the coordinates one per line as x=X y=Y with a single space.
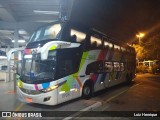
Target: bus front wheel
x=87 y=91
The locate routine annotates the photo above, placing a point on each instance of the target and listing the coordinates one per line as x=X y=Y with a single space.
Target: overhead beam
x=7 y=11
x=70 y=5
x=66 y=8
x=38 y=18
x=21 y=25
x=7 y=25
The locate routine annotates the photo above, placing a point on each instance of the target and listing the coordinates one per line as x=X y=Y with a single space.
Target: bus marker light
x=29 y=100
x=54 y=87
x=28 y=56
x=61 y=92
x=50 y=88
x=74 y=89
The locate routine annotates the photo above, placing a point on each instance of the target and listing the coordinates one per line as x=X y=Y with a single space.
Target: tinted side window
x=96 y=42
x=80 y=36
x=74 y=34
x=107 y=44
x=95 y=67
x=116 y=47
x=122 y=66
x=116 y=66
x=108 y=66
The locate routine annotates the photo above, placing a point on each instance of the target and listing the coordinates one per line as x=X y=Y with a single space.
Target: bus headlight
x=50 y=88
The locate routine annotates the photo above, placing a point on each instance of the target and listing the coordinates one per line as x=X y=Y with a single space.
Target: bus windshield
x=35 y=70
x=47 y=32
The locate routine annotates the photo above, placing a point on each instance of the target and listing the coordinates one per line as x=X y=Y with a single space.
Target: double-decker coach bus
x=66 y=60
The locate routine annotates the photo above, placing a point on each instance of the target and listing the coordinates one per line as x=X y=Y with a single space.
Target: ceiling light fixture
x=19 y=41
x=46 y=12
x=3 y=57
x=22 y=32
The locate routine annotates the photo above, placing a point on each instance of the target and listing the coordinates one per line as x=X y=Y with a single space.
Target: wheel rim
x=87 y=90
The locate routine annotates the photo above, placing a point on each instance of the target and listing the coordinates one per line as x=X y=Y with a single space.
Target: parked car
x=156 y=67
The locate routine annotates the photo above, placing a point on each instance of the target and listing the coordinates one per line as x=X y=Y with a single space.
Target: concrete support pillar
x=8 y=76
x=70 y=5
x=16 y=37
x=65 y=9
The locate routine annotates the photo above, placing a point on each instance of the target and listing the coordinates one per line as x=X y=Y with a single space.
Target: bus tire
x=87 y=90
x=128 y=79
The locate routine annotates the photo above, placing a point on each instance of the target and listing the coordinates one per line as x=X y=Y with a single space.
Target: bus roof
x=87 y=27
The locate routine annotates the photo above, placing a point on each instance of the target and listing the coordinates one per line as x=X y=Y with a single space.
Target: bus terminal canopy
x=27 y=15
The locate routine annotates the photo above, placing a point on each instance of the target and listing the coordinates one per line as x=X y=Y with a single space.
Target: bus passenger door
x=67 y=65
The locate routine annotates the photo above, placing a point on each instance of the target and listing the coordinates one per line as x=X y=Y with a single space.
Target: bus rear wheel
x=87 y=91
x=128 y=79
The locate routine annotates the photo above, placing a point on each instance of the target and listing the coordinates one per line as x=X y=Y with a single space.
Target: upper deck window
x=116 y=47
x=80 y=36
x=123 y=49
x=107 y=44
x=46 y=32
x=96 y=42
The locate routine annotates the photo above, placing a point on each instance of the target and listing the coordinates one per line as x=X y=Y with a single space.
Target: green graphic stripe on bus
x=84 y=57
x=70 y=81
x=53 y=47
x=67 y=86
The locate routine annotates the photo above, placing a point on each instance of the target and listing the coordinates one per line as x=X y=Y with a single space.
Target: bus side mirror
x=51 y=46
x=12 y=51
x=46 y=48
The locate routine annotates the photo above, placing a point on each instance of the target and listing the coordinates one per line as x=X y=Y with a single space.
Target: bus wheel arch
x=88 y=89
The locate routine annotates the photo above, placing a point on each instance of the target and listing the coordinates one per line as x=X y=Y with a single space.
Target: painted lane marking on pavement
x=136 y=85
x=19 y=107
x=89 y=108
x=10 y=92
x=109 y=99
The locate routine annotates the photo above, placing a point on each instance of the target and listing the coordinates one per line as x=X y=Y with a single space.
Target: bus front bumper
x=48 y=98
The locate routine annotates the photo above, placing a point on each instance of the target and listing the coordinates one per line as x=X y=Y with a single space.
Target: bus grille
x=31 y=92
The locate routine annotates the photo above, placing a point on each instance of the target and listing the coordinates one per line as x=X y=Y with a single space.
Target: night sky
x=119 y=19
